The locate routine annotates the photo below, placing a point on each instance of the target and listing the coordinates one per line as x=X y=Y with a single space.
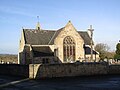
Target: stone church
x=65 y=45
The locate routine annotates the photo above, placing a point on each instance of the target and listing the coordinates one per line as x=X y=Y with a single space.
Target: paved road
x=76 y=83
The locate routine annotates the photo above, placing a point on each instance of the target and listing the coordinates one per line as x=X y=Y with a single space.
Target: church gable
x=68 y=30
x=69 y=26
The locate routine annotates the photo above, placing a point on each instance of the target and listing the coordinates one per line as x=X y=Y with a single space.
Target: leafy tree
x=117 y=55
x=103 y=50
x=118 y=49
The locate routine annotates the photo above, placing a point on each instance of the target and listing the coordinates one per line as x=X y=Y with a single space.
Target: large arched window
x=68 y=49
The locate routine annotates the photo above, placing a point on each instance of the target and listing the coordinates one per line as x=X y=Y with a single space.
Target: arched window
x=68 y=49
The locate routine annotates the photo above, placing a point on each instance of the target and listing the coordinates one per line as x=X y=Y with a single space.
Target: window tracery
x=68 y=49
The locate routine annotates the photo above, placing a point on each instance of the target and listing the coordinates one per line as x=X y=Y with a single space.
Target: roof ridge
x=81 y=31
x=47 y=30
x=41 y=29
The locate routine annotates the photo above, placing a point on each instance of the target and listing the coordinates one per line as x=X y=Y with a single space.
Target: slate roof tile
x=45 y=37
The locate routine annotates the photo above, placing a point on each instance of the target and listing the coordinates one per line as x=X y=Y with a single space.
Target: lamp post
x=91 y=41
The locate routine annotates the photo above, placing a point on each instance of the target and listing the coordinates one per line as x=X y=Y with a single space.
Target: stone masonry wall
x=67 y=70
x=14 y=70
x=114 y=69
x=38 y=71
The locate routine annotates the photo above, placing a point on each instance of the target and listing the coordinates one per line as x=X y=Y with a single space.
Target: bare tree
x=102 y=49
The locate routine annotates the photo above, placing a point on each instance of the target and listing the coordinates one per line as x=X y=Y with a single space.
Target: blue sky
x=104 y=15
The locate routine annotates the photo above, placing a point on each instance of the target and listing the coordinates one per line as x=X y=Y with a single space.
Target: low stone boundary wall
x=14 y=69
x=37 y=71
x=67 y=70
x=114 y=69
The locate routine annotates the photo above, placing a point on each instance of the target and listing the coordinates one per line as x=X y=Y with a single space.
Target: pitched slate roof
x=38 y=37
x=45 y=37
x=88 y=50
x=85 y=37
x=42 y=51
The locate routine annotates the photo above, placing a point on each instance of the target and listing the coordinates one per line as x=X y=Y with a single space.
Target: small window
x=45 y=61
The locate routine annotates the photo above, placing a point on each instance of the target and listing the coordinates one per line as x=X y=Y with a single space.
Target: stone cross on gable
x=91 y=30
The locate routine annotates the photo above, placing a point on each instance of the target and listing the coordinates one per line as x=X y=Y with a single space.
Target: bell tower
x=38 y=24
